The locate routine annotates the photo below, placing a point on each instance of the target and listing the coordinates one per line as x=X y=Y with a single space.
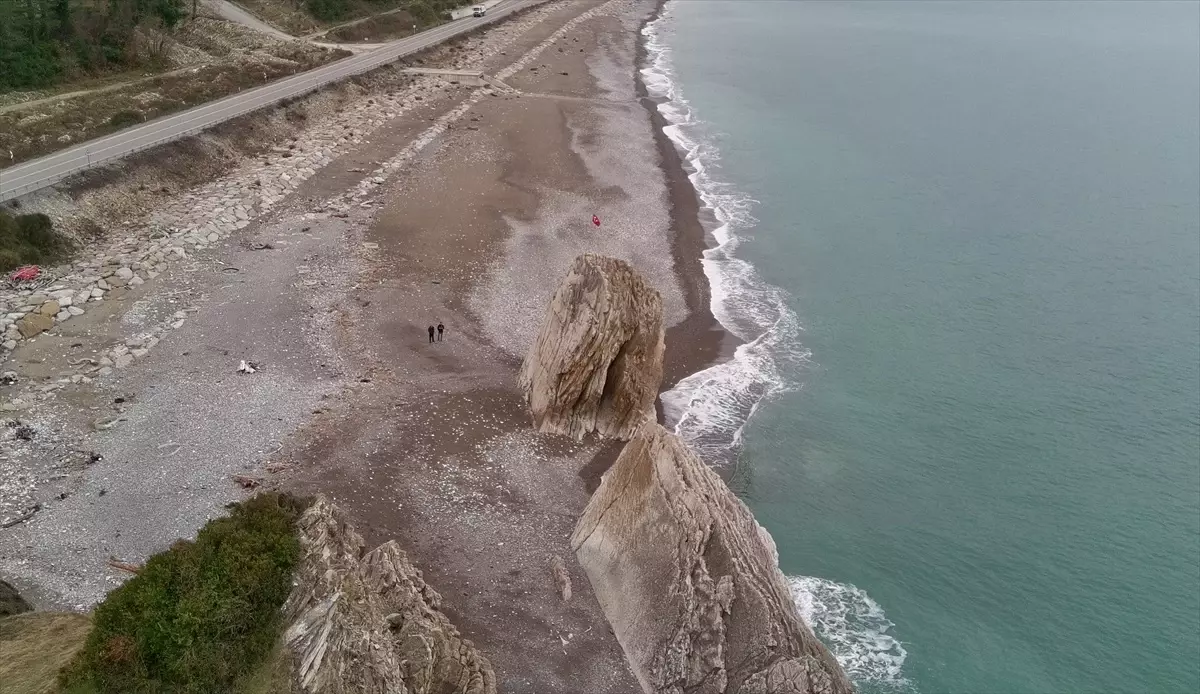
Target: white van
x=478 y=11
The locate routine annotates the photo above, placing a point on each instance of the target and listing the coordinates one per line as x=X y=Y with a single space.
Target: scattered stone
x=8 y=378
x=34 y=324
x=75 y=311
x=123 y=361
x=247 y=367
x=246 y=482
x=562 y=579
x=49 y=308
x=125 y=273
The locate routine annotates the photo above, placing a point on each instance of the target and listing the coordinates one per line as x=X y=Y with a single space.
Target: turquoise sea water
x=962 y=240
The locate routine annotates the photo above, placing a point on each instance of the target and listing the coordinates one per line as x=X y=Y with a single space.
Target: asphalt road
x=39 y=173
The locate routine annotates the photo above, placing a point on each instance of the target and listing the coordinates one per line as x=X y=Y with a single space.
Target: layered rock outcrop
x=690 y=582
x=597 y=363
x=369 y=624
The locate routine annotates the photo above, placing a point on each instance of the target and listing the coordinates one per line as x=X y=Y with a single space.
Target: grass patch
x=29 y=239
x=39 y=130
x=35 y=645
x=385 y=27
x=202 y=616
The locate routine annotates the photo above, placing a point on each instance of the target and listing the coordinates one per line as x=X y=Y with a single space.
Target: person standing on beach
x=440 y=329
x=431 y=334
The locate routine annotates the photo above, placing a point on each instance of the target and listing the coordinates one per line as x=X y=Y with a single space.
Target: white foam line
x=709 y=409
x=855 y=629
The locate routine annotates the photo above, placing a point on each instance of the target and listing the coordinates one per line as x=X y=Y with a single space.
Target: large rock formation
x=690 y=582
x=369 y=624
x=597 y=362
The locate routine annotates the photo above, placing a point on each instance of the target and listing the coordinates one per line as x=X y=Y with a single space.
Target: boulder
x=369 y=624
x=34 y=324
x=11 y=601
x=598 y=360
x=690 y=583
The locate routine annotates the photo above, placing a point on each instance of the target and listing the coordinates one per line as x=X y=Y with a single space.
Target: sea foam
x=710 y=408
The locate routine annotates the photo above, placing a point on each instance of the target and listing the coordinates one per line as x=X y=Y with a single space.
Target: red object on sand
x=595 y=220
x=26 y=274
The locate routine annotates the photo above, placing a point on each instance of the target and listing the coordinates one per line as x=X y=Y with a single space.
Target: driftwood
x=246 y=482
x=562 y=579
x=22 y=518
x=124 y=565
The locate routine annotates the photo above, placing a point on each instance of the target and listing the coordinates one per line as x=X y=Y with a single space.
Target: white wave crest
x=855 y=629
x=709 y=408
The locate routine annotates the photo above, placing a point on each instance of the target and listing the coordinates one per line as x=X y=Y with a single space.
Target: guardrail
x=52 y=168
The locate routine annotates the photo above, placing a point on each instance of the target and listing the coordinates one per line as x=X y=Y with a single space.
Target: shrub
x=201 y=614
x=29 y=239
x=124 y=119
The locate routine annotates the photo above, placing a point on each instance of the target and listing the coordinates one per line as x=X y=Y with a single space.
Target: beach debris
x=277 y=467
x=595 y=220
x=24 y=432
x=260 y=246
x=8 y=378
x=27 y=273
x=22 y=518
x=246 y=482
x=247 y=367
x=370 y=245
x=562 y=579
x=124 y=565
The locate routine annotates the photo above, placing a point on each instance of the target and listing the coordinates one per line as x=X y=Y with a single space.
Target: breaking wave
x=710 y=408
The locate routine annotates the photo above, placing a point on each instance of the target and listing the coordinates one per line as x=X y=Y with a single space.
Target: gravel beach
x=438 y=202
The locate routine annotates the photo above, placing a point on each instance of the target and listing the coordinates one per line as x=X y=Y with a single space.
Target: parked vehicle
x=478 y=11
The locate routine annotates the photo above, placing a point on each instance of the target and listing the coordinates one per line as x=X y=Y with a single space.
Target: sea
x=960 y=244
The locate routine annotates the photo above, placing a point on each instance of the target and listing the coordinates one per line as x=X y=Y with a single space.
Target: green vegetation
x=424 y=11
x=34 y=646
x=29 y=239
x=44 y=42
x=201 y=617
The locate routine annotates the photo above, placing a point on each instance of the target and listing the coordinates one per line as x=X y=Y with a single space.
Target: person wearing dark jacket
x=431 y=333
x=440 y=329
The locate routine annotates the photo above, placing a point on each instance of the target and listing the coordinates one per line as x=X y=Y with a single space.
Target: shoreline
x=711 y=342
x=482 y=199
